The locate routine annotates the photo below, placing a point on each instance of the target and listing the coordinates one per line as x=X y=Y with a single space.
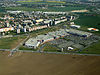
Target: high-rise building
x=18 y=30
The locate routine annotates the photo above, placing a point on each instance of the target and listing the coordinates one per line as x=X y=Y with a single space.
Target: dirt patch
x=48 y=64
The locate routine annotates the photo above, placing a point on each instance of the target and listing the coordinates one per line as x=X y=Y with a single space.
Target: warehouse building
x=78 y=32
x=40 y=39
x=32 y=43
x=54 y=35
x=67 y=44
x=47 y=38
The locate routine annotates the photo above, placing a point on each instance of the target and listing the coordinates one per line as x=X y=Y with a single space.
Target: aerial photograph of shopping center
x=49 y=37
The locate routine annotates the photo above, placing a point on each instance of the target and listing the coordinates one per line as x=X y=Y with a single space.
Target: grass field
x=89 y=20
x=48 y=64
x=42 y=2
x=10 y=43
x=69 y=8
x=93 y=49
x=25 y=9
x=50 y=48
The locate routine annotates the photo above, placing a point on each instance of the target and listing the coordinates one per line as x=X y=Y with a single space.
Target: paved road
x=47 y=52
x=12 y=51
x=59 y=53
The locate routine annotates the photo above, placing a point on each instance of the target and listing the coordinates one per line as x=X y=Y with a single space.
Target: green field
x=2 y=9
x=33 y=6
x=93 y=49
x=89 y=20
x=50 y=48
x=10 y=43
x=25 y=8
x=42 y=2
x=68 y=8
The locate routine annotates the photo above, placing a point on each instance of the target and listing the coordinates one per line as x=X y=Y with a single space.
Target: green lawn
x=68 y=8
x=93 y=49
x=10 y=43
x=89 y=21
x=50 y=48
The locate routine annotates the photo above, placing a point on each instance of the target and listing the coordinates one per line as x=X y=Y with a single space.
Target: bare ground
x=48 y=64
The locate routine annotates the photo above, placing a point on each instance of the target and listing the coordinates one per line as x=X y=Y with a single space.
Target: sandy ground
x=48 y=64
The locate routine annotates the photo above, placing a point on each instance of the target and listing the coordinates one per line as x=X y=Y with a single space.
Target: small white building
x=18 y=30
x=24 y=29
x=75 y=26
x=40 y=20
x=72 y=23
x=13 y=12
x=93 y=29
x=70 y=48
